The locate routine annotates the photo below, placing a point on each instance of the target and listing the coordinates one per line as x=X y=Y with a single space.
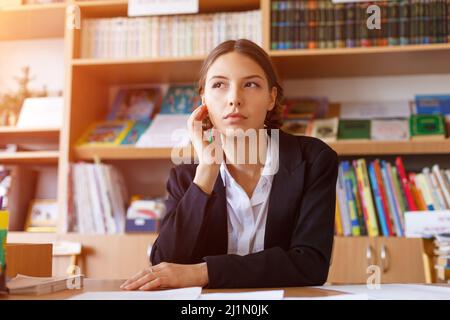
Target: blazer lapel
x=287 y=187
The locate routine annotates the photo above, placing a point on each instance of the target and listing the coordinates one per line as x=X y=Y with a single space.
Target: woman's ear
x=273 y=98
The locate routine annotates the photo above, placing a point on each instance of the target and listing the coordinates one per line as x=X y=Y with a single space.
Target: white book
x=436 y=202
x=166 y=130
x=116 y=199
x=94 y=199
x=389 y=129
x=441 y=183
x=105 y=198
x=41 y=112
x=422 y=185
x=155 y=36
x=375 y=109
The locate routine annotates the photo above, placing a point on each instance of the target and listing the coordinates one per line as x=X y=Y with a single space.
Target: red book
x=387 y=213
x=405 y=184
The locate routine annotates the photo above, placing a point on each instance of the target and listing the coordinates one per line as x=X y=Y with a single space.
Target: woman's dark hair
x=257 y=54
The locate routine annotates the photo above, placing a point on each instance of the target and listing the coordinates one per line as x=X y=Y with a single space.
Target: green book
x=427 y=126
x=354 y=129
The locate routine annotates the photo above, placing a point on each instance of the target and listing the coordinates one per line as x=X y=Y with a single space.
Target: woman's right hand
x=209 y=154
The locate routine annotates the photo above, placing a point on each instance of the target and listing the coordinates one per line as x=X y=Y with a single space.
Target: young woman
x=234 y=224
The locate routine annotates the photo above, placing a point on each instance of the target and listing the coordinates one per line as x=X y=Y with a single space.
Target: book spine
x=362 y=36
x=381 y=187
x=339 y=31
x=393 y=23
x=312 y=24
x=405 y=184
x=304 y=24
x=391 y=197
x=384 y=24
x=343 y=205
x=330 y=24
x=414 y=21
x=337 y=221
x=355 y=192
x=378 y=202
x=372 y=228
x=426 y=192
x=368 y=196
x=321 y=24
x=404 y=22
x=296 y=23
x=350 y=25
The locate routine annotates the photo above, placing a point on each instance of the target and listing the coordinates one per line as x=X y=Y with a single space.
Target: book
x=307 y=107
x=298 y=127
x=137 y=104
x=325 y=129
x=354 y=129
x=375 y=110
x=136 y=131
x=43 y=112
x=432 y=104
x=26 y=285
x=106 y=133
x=389 y=130
x=180 y=99
x=426 y=127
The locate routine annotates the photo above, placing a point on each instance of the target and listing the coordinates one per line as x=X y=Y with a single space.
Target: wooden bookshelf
x=32 y=21
x=30 y=157
x=87 y=84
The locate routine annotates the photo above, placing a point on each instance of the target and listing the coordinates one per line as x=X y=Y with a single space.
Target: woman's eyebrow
x=247 y=77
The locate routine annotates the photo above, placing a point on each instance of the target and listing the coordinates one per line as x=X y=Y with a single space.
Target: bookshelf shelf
x=113 y=8
x=33 y=157
x=119 y=71
x=343 y=148
x=28 y=135
x=348 y=148
x=373 y=61
x=123 y=153
x=346 y=62
x=32 y=21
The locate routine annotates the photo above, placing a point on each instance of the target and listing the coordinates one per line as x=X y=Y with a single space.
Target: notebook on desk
x=22 y=284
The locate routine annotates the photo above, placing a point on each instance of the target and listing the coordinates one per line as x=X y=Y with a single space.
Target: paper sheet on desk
x=396 y=291
x=191 y=293
x=254 y=295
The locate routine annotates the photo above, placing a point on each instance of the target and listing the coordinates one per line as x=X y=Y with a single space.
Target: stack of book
x=359 y=121
x=310 y=24
x=166 y=36
x=22 y=284
x=442 y=251
x=142 y=118
x=373 y=198
x=98 y=199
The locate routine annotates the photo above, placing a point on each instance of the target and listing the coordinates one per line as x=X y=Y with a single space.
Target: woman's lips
x=232 y=118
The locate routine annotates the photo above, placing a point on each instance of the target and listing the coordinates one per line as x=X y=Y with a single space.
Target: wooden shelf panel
x=32 y=21
x=391 y=147
x=146 y=70
x=33 y=157
x=123 y=153
x=112 y=8
x=350 y=62
x=343 y=148
x=28 y=135
x=347 y=62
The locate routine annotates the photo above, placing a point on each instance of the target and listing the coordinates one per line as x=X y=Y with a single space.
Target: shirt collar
x=267 y=171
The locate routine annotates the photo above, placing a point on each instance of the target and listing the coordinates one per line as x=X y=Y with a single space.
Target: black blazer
x=299 y=228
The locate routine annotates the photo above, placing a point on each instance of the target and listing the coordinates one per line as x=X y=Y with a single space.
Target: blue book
x=433 y=104
x=180 y=99
x=356 y=230
x=135 y=132
x=378 y=201
x=390 y=195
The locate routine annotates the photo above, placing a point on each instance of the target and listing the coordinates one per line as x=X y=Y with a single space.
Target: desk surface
x=113 y=285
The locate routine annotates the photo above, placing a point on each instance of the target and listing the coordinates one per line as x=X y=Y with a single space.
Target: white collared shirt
x=247 y=217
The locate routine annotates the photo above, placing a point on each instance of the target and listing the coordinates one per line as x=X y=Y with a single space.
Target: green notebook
x=427 y=125
x=354 y=129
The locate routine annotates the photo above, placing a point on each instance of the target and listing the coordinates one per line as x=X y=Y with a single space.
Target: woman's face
x=236 y=93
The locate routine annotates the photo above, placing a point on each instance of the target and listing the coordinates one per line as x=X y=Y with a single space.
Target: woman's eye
x=218 y=85
x=252 y=84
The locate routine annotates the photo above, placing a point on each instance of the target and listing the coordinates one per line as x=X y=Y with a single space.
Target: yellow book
x=338 y=222
x=368 y=201
x=106 y=133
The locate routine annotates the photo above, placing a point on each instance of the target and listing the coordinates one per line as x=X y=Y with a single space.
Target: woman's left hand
x=168 y=275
